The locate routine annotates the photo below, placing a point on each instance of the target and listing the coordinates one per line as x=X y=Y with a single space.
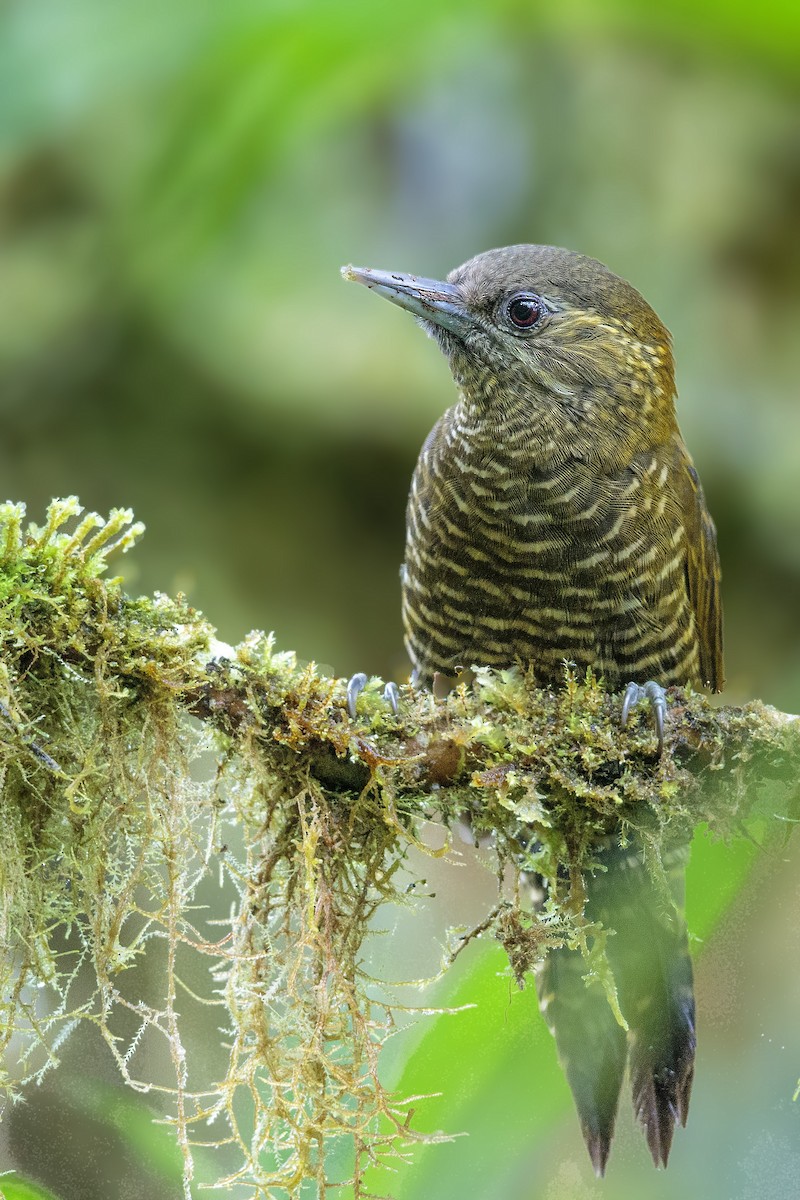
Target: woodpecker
x=555 y=515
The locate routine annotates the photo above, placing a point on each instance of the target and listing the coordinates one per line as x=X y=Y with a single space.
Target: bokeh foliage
x=179 y=184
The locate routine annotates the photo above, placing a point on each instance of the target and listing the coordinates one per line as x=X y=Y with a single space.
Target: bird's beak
x=431 y=299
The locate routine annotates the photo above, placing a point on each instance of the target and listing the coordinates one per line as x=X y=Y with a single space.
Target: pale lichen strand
x=97 y=794
x=106 y=834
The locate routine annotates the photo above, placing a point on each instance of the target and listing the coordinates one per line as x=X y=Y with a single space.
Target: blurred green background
x=180 y=181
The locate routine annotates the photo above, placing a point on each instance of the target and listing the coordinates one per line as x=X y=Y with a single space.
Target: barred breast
x=511 y=561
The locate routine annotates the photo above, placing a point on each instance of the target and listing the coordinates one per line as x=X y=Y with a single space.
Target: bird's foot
x=655 y=694
x=356 y=685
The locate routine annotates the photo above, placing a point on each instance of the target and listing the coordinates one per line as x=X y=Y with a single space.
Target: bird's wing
x=702 y=568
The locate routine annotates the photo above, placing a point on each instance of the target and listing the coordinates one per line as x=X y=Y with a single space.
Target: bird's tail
x=648 y=954
x=592 y=1045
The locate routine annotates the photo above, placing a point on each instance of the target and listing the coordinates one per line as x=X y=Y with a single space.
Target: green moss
x=106 y=702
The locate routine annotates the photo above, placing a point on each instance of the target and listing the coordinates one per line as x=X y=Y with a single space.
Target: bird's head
x=549 y=330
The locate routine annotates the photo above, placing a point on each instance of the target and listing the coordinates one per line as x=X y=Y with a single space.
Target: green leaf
x=495 y=1065
x=14 y=1187
x=496 y=1069
x=135 y=1124
x=716 y=873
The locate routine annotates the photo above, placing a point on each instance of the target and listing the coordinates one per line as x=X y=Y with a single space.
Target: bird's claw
x=356 y=685
x=391 y=694
x=657 y=697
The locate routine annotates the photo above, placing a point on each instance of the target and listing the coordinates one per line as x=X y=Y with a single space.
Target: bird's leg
x=356 y=685
x=657 y=697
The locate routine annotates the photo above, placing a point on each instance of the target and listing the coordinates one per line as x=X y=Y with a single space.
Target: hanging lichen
x=108 y=706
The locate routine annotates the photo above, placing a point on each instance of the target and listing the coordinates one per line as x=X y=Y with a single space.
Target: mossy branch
x=105 y=704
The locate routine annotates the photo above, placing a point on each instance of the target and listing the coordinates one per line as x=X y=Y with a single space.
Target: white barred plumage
x=555 y=515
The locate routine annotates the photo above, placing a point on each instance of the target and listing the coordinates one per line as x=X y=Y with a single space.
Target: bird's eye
x=524 y=310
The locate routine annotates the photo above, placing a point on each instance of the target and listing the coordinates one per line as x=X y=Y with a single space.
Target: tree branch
x=106 y=700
